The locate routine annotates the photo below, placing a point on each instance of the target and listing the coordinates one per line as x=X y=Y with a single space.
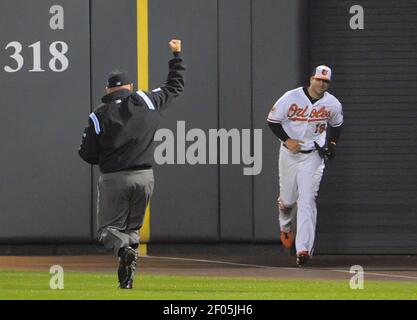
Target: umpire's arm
x=161 y=98
x=89 y=147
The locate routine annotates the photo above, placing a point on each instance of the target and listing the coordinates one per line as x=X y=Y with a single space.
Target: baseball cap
x=117 y=78
x=323 y=72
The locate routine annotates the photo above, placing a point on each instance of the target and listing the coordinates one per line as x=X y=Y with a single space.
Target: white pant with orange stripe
x=299 y=182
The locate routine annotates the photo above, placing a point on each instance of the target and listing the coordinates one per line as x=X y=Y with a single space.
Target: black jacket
x=120 y=132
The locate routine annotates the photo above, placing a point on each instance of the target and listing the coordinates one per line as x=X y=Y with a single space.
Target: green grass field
x=92 y=286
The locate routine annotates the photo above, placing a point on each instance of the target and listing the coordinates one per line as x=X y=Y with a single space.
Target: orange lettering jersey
x=304 y=121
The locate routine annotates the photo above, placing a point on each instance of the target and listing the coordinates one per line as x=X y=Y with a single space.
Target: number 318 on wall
x=58 y=63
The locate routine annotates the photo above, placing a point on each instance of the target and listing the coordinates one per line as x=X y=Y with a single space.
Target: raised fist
x=175 y=45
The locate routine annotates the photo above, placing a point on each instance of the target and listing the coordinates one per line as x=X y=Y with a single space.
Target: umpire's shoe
x=302 y=258
x=127 y=267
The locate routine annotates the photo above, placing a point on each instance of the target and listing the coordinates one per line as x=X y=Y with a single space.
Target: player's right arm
x=278 y=114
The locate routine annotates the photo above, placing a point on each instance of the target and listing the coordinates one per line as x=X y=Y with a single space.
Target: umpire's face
x=319 y=86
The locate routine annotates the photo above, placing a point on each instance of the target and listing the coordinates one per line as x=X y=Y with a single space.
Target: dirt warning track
x=380 y=268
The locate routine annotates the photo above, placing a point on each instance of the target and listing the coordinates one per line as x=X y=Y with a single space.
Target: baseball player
x=301 y=119
x=120 y=139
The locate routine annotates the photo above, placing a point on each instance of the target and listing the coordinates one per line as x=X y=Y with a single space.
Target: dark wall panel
x=44 y=188
x=185 y=202
x=279 y=64
x=367 y=202
x=235 y=103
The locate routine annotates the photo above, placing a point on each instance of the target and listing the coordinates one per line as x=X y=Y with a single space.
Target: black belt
x=302 y=151
x=135 y=168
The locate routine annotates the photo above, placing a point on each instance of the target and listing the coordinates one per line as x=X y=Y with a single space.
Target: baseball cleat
x=287 y=239
x=127 y=267
x=302 y=258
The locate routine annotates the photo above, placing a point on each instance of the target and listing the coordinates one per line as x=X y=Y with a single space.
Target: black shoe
x=127 y=266
x=302 y=258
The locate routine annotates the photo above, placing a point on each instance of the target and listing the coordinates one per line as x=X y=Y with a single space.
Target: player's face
x=318 y=86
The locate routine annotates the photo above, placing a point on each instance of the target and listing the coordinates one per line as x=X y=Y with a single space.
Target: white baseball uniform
x=300 y=174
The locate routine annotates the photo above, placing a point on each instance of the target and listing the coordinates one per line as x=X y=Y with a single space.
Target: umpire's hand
x=175 y=45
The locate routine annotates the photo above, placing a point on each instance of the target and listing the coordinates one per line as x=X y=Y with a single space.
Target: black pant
x=121 y=205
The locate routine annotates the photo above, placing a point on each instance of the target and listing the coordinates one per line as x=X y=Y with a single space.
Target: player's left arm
x=335 y=130
x=335 y=123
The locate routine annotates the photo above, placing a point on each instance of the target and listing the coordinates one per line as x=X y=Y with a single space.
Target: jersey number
x=320 y=128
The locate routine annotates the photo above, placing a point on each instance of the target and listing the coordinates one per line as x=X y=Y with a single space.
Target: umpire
x=120 y=139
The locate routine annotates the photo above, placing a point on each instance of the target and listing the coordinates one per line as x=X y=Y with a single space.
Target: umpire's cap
x=117 y=78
